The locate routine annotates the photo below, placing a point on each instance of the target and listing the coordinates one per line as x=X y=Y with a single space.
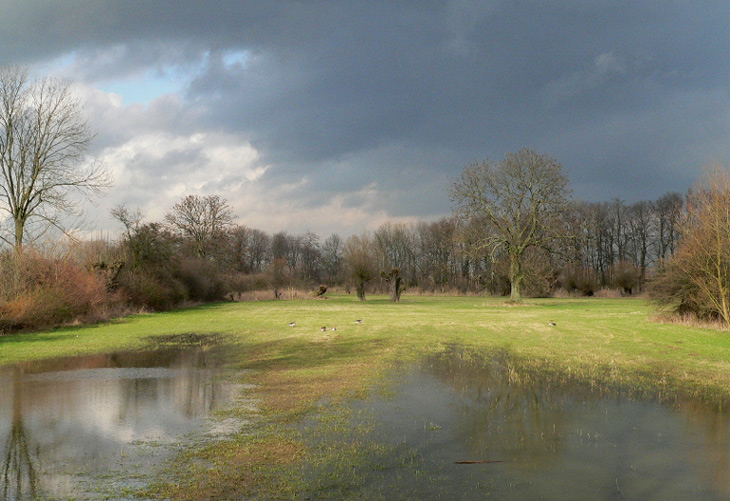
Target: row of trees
x=616 y=244
x=612 y=245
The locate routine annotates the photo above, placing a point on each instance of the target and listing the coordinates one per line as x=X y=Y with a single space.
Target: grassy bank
x=607 y=342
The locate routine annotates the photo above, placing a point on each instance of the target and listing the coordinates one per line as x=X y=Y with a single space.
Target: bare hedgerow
x=696 y=279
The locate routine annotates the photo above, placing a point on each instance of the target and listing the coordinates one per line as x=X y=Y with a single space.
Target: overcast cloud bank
x=337 y=116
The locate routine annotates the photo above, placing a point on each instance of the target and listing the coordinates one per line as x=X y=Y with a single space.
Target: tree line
x=614 y=245
x=198 y=253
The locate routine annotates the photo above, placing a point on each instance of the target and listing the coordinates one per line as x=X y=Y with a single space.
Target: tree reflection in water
x=63 y=419
x=501 y=409
x=528 y=434
x=19 y=467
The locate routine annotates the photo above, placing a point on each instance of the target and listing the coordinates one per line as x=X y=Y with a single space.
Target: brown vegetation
x=41 y=292
x=696 y=280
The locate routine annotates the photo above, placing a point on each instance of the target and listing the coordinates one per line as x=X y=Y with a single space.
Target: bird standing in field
x=358 y=321
x=292 y=324
x=552 y=324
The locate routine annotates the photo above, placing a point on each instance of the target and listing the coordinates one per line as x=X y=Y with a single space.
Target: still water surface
x=68 y=425
x=528 y=439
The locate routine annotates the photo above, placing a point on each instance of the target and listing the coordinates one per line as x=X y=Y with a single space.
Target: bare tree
x=332 y=257
x=200 y=219
x=668 y=209
x=393 y=279
x=436 y=252
x=43 y=142
x=259 y=244
x=238 y=248
x=522 y=198
x=358 y=258
x=311 y=257
x=395 y=248
x=641 y=236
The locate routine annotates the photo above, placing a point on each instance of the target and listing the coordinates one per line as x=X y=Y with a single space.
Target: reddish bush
x=41 y=292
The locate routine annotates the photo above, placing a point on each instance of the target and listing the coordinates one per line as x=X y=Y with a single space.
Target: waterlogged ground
x=97 y=426
x=518 y=437
x=457 y=425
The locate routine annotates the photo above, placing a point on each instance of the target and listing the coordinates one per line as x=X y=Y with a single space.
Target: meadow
x=611 y=344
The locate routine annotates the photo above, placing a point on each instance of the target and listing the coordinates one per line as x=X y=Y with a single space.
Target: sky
x=337 y=116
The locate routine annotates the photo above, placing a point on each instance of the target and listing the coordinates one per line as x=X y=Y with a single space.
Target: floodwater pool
x=457 y=425
x=91 y=426
x=460 y=427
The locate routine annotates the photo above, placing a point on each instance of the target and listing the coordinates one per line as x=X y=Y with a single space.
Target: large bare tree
x=44 y=138
x=521 y=200
x=201 y=219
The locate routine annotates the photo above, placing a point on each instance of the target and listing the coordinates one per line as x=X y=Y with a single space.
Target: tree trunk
x=361 y=291
x=393 y=279
x=395 y=289
x=19 y=232
x=515 y=277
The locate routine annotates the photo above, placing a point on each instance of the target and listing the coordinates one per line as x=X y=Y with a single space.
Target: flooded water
x=459 y=427
x=68 y=426
x=456 y=426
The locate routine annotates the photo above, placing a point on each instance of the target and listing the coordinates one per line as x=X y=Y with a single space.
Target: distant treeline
x=614 y=245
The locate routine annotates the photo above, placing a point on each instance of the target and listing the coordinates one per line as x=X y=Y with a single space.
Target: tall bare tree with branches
x=521 y=199
x=201 y=219
x=44 y=138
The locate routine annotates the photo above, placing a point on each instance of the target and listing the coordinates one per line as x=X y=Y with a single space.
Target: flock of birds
x=324 y=327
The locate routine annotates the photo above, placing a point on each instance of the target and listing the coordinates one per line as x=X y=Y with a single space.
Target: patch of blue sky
x=155 y=82
x=144 y=88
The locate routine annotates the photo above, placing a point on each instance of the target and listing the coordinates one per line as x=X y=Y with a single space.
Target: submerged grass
x=304 y=371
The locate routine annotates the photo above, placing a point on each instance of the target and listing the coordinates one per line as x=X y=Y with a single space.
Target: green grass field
x=609 y=342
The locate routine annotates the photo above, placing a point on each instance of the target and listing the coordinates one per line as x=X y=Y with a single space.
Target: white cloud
x=334 y=214
x=154 y=170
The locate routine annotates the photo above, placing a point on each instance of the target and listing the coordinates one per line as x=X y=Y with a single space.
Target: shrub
x=576 y=278
x=202 y=279
x=626 y=276
x=697 y=278
x=241 y=283
x=42 y=292
x=145 y=289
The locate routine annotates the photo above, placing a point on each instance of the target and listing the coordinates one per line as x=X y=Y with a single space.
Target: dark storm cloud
x=612 y=91
x=630 y=96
